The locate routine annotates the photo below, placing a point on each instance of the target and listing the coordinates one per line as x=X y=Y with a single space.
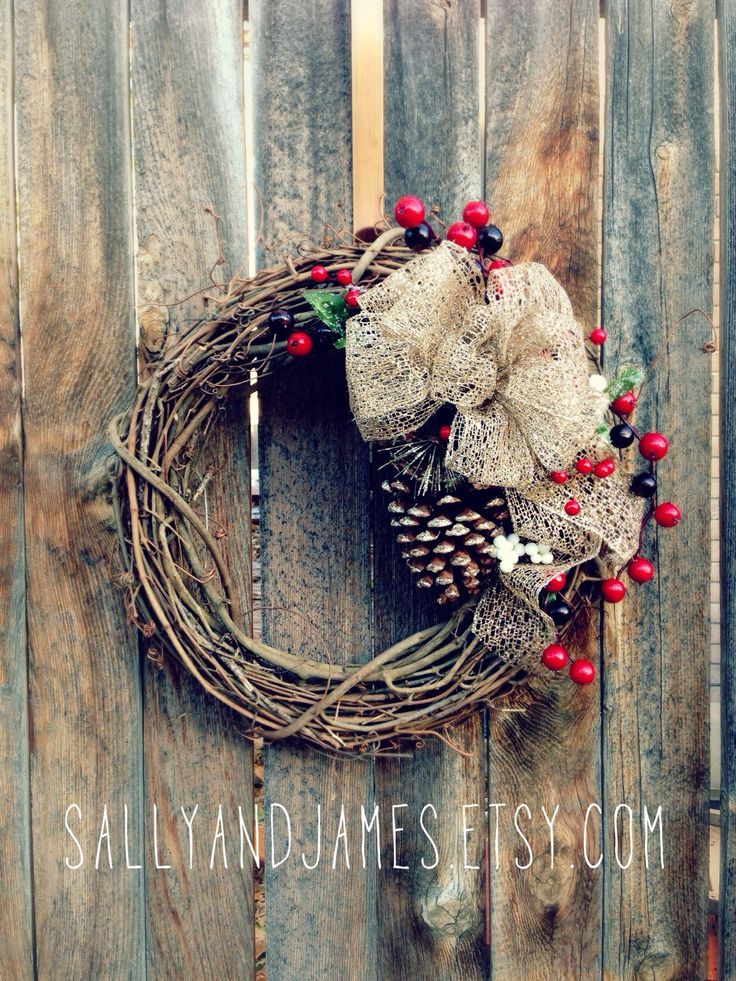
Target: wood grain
x=431 y=923
x=727 y=67
x=314 y=491
x=432 y=127
x=78 y=340
x=542 y=137
x=16 y=911
x=658 y=256
x=541 y=183
x=302 y=116
x=189 y=154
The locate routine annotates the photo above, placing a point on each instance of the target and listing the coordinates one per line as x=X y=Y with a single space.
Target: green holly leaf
x=339 y=343
x=330 y=308
x=603 y=431
x=628 y=377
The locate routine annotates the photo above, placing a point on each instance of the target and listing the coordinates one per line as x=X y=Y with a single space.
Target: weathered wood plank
x=78 y=339
x=189 y=154
x=542 y=137
x=541 y=182
x=430 y=922
x=657 y=268
x=314 y=491
x=432 y=126
x=727 y=66
x=303 y=151
x=16 y=912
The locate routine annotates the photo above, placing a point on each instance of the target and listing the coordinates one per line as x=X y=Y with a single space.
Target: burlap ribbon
x=510 y=356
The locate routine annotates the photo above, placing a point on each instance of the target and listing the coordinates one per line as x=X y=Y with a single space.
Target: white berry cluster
x=508 y=549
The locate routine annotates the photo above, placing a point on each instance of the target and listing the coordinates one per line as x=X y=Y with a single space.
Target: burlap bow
x=510 y=356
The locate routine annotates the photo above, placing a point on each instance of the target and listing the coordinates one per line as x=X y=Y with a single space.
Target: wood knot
x=94 y=490
x=652 y=967
x=153 y=314
x=552 y=886
x=448 y=911
x=153 y=320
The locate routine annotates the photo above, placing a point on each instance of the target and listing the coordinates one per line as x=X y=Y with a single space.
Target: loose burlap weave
x=510 y=356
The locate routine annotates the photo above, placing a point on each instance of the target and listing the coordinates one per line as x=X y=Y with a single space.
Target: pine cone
x=446 y=539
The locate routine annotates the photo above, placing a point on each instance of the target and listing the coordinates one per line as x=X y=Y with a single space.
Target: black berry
x=281 y=321
x=323 y=334
x=622 y=436
x=490 y=239
x=559 y=611
x=418 y=237
x=644 y=485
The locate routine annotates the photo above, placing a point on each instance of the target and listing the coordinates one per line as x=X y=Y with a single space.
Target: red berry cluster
x=344 y=277
x=475 y=231
x=281 y=323
x=584 y=467
x=653 y=446
x=554 y=656
x=581 y=670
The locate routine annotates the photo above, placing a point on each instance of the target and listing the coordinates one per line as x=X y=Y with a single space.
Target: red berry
x=443 y=433
x=598 y=336
x=344 y=277
x=409 y=211
x=582 y=672
x=558 y=476
x=584 y=465
x=352 y=298
x=554 y=657
x=556 y=583
x=476 y=213
x=319 y=274
x=667 y=515
x=653 y=446
x=299 y=344
x=640 y=569
x=461 y=233
x=624 y=404
x=572 y=507
x=499 y=263
x=605 y=468
x=613 y=590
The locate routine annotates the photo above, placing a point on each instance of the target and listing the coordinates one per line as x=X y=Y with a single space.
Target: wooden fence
x=123 y=130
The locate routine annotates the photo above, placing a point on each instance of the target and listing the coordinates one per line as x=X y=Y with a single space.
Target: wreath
x=498 y=436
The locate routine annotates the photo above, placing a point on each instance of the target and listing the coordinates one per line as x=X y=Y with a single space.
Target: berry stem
x=572 y=580
x=626 y=422
x=644 y=522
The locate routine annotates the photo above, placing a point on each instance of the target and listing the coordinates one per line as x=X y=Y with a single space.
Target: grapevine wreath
x=498 y=436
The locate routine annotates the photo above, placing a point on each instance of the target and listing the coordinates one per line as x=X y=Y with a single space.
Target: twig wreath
x=474 y=379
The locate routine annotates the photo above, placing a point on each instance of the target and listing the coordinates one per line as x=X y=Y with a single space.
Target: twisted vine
x=176 y=570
